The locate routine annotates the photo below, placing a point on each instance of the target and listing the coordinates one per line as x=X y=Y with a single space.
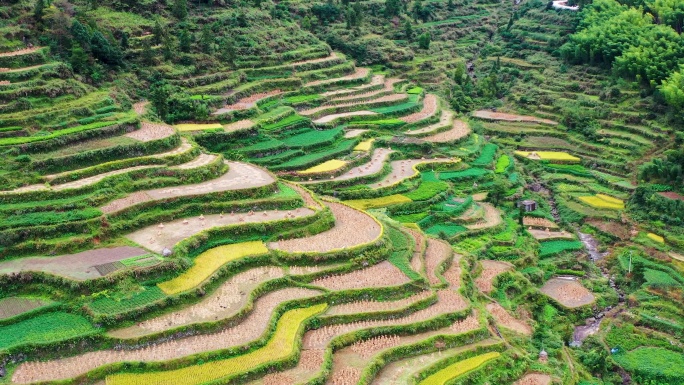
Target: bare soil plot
x=224 y=303
x=375 y=81
x=151 y=131
x=332 y=56
x=309 y=201
x=238 y=126
x=453 y=273
x=490 y=269
x=479 y=197
x=353 y=133
x=448 y=302
x=620 y=230
x=382 y=99
x=503 y=318
x=375 y=165
x=80 y=266
x=96 y=178
x=377 y=306
x=310 y=362
x=417 y=260
x=360 y=73
x=534 y=379
x=330 y=118
x=402 y=371
x=11 y=70
x=446 y=119
x=140 y=108
x=430 y=107
x=568 y=292
x=402 y=170
x=539 y=222
x=388 y=87
x=676 y=256
x=13 y=306
x=352 y=228
x=383 y=274
x=458 y=131
x=436 y=253
x=239 y=176
x=250 y=329
x=672 y=195
x=490 y=115
x=201 y=160
x=246 y=102
x=157 y=239
x=349 y=362
x=492 y=218
x=543 y=234
x=20 y=52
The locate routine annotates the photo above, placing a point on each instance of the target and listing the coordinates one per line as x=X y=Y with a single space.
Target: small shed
x=528 y=205
x=543 y=356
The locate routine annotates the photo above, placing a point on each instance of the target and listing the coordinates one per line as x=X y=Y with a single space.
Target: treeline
x=668 y=170
x=640 y=39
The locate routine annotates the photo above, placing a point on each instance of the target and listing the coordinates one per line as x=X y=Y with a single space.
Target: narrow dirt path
x=377 y=306
x=430 y=107
x=446 y=120
x=490 y=115
x=492 y=218
x=359 y=73
x=437 y=252
x=333 y=117
x=151 y=131
x=380 y=100
x=20 y=52
x=376 y=80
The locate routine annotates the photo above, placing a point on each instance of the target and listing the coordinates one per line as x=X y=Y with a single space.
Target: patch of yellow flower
x=209 y=262
x=372 y=203
x=548 y=155
x=365 y=145
x=197 y=127
x=328 y=166
x=458 y=368
x=603 y=201
x=656 y=237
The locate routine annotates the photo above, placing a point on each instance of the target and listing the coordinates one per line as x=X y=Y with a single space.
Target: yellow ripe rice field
x=328 y=166
x=282 y=344
x=548 y=155
x=372 y=203
x=365 y=145
x=197 y=127
x=210 y=261
x=458 y=368
x=602 y=201
x=656 y=237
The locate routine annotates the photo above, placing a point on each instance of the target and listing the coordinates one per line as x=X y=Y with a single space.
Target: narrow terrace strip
x=246 y=102
x=490 y=115
x=381 y=100
x=448 y=302
x=371 y=168
x=151 y=131
x=458 y=131
x=437 y=252
x=388 y=88
x=383 y=274
x=402 y=170
x=349 y=362
x=377 y=306
x=360 y=73
x=224 y=303
x=240 y=176
x=20 y=52
x=402 y=371
x=503 y=318
x=492 y=218
x=490 y=270
x=251 y=328
x=156 y=238
x=353 y=133
x=430 y=107
x=376 y=80
x=445 y=120
x=352 y=228
x=201 y=160
x=330 y=118
x=79 y=266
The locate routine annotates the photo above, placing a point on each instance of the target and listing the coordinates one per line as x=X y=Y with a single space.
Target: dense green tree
x=227 y=51
x=39 y=11
x=424 y=40
x=78 y=58
x=673 y=89
x=669 y=12
x=158 y=32
x=80 y=34
x=392 y=8
x=184 y=40
x=160 y=95
x=180 y=9
x=408 y=30
x=327 y=12
x=207 y=40
x=104 y=51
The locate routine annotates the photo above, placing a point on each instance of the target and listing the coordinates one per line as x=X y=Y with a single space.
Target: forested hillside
x=342 y=192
